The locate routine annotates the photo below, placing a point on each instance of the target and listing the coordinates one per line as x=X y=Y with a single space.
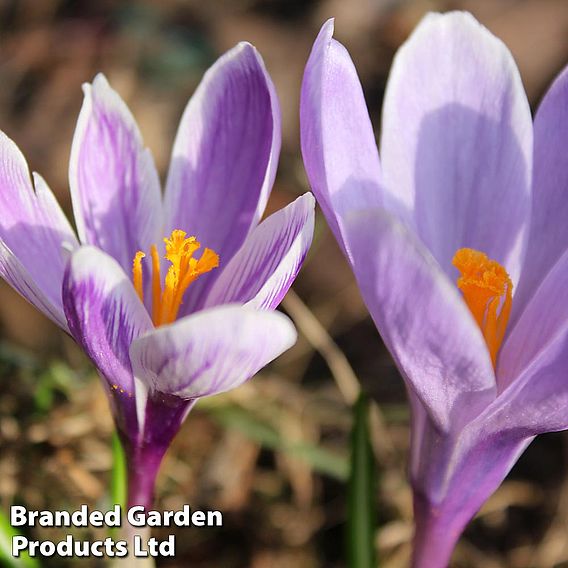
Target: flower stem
x=435 y=537
x=143 y=466
x=163 y=418
x=144 y=454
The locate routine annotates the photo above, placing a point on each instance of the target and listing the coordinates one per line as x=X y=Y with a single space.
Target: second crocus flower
x=171 y=297
x=461 y=254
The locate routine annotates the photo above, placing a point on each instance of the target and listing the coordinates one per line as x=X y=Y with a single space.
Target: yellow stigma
x=183 y=271
x=487 y=290
x=137 y=273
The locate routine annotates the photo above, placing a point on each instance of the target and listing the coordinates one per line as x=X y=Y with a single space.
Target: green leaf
x=118 y=482
x=320 y=459
x=7 y=532
x=361 y=521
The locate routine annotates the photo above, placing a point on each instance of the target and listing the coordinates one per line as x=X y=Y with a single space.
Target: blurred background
x=272 y=455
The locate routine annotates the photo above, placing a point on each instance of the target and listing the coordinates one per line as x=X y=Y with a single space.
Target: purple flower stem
x=143 y=466
x=434 y=538
x=164 y=415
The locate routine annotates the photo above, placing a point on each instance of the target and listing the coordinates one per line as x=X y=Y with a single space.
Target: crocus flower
x=165 y=318
x=459 y=243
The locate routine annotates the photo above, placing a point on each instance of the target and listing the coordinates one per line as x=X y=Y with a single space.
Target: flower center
x=183 y=271
x=487 y=290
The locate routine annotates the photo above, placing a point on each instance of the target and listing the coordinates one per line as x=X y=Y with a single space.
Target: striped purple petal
x=265 y=267
x=105 y=315
x=224 y=158
x=211 y=351
x=114 y=183
x=35 y=237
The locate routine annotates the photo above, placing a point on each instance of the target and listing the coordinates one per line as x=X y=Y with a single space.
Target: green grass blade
x=361 y=521
x=118 y=483
x=6 y=558
x=320 y=459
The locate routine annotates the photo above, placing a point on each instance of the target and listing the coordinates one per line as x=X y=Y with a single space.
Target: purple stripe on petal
x=36 y=236
x=338 y=144
x=422 y=318
x=456 y=142
x=211 y=351
x=114 y=183
x=105 y=315
x=263 y=270
x=224 y=158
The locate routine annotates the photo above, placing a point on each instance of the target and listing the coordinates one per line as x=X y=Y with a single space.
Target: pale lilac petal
x=114 y=183
x=12 y=270
x=542 y=323
x=105 y=315
x=422 y=319
x=263 y=270
x=338 y=145
x=224 y=158
x=35 y=235
x=536 y=402
x=211 y=351
x=549 y=227
x=533 y=363
x=453 y=479
x=456 y=144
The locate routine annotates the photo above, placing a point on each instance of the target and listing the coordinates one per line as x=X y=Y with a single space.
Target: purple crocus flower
x=458 y=231
x=162 y=326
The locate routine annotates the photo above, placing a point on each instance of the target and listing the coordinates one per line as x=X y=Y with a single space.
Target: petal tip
x=329 y=27
x=309 y=199
x=325 y=35
x=451 y=22
x=246 y=52
x=279 y=322
x=100 y=80
x=97 y=86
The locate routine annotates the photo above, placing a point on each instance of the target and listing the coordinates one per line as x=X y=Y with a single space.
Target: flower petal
x=35 y=235
x=533 y=361
x=105 y=315
x=263 y=270
x=12 y=270
x=422 y=319
x=456 y=141
x=211 y=351
x=224 y=158
x=549 y=230
x=454 y=476
x=114 y=183
x=536 y=402
x=338 y=145
x=453 y=479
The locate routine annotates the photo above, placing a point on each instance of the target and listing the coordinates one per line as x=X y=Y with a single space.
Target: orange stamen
x=137 y=274
x=488 y=292
x=183 y=271
x=156 y=284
